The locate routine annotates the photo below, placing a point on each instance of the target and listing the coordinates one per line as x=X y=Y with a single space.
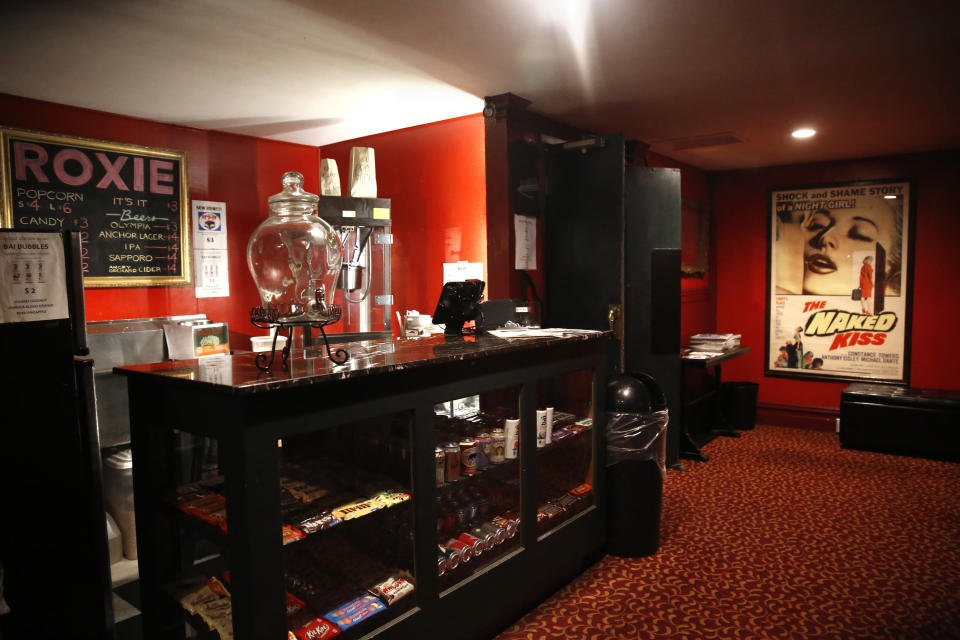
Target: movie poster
x=838 y=282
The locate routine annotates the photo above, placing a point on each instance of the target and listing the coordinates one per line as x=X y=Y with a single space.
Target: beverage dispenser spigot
x=354 y=275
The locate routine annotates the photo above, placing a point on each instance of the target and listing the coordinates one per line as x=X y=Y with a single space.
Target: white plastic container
x=114 y=540
x=118 y=495
x=263 y=343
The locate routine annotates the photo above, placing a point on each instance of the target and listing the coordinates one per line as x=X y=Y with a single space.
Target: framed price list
x=129 y=203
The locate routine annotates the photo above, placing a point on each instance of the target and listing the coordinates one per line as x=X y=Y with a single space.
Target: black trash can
x=738 y=403
x=636 y=459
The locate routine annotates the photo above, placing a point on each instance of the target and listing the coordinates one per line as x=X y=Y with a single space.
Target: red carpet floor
x=781 y=535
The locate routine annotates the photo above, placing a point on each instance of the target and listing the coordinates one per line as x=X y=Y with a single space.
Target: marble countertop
x=238 y=373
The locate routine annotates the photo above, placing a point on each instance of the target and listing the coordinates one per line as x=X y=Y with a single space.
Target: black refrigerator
x=613 y=259
x=53 y=539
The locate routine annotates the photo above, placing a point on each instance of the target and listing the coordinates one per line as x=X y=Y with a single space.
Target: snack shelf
x=373 y=428
x=207 y=607
x=191 y=511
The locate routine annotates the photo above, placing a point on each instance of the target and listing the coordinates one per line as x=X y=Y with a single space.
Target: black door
x=613 y=239
x=584 y=234
x=652 y=285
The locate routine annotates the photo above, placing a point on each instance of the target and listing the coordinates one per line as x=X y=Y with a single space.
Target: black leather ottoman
x=903 y=420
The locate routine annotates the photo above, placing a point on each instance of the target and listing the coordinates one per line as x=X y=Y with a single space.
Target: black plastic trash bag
x=636 y=465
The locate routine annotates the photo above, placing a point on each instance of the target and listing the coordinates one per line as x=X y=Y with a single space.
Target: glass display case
x=380 y=499
x=477 y=474
x=565 y=454
x=346 y=528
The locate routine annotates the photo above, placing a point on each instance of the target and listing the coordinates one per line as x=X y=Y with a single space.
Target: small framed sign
x=129 y=203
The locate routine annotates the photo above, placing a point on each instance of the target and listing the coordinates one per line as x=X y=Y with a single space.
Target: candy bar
x=217 y=517
x=291 y=534
x=560 y=434
x=318 y=522
x=201 y=503
x=294 y=604
x=217 y=587
x=392 y=589
x=316 y=629
x=192 y=601
x=390 y=498
x=548 y=511
x=356 y=509
x=355 y=611
x=581 y=489
x=566 y=502
x=357 y=604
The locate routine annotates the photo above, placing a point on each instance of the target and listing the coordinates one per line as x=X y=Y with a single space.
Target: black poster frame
x=907 y=227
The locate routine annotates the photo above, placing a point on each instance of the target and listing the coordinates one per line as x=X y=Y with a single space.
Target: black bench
x=894 y=419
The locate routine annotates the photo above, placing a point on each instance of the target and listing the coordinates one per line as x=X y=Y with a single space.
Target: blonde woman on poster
x=833 y=236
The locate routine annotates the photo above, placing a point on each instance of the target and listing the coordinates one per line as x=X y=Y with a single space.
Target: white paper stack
x=715 y=341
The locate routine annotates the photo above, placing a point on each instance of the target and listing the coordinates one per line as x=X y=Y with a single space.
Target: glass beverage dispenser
x=363 y=226
x=295 y=259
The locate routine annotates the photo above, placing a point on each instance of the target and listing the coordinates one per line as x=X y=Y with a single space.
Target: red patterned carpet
x=782 y=535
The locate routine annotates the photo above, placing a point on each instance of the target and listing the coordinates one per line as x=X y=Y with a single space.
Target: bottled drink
x=497 y=444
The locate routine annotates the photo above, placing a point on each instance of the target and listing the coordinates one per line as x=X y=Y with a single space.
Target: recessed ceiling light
x=804 y=133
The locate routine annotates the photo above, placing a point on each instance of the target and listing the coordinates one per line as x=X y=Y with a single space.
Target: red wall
x=239 y=170
x=433 y=173
x=740 y=216
x=435 y=177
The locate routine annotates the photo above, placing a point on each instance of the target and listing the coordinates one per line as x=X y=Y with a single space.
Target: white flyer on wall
x=210 y=249
x=525 y=230
x=462 y=271
x=33 y=277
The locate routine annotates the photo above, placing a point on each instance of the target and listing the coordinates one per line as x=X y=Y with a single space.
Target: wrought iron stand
x=274 y=318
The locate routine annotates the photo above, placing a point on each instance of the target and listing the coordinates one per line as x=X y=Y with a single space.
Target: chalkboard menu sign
x=129 y=203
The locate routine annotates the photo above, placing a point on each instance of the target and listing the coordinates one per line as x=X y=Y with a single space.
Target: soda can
x=451 y=556
x=468 y=457
x=498 y=534
x=488 y=535
x=476 y=544
x=440 y=465
x=508 y=522
x=511 y=428
x=483 y=450
x=466 y=551
x=497 y=442
x=441 y=563
x=451 y=454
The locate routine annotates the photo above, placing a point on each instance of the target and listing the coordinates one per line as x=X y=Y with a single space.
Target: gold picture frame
x=129 y=202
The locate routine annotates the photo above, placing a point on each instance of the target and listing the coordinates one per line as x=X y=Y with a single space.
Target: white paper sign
x=462 y=271
x=210 y=249
x=525 y=230
x=33 y=277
